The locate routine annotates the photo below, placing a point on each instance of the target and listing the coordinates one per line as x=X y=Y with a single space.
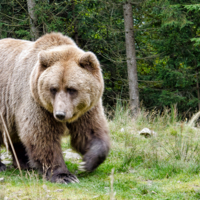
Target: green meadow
x=163 y=166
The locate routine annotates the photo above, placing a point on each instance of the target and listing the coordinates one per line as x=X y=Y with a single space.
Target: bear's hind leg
x=21 y=155
x=2 y=166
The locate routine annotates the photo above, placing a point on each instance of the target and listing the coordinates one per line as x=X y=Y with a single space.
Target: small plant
x=144 y=190
x=173 y=132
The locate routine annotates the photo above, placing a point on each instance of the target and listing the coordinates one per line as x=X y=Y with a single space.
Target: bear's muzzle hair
x=62 y=107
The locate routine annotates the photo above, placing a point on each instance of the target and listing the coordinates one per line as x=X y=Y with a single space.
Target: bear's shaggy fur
x=46 y=86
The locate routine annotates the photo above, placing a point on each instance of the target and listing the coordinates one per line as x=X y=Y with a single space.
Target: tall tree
x=131 y=58
x=33 y=20
x=175 y=31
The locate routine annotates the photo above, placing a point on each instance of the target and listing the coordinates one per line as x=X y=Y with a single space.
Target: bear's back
x=10 y=49
x=12 y=73
x=53 y=40
x=15 y=50
x=20 y=56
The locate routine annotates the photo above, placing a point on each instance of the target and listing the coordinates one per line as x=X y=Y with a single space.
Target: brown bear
x=46 y=87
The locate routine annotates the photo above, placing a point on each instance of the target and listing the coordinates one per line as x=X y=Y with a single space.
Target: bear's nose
x=60 y=115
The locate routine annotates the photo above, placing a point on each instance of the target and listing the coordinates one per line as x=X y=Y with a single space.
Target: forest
x=166 y=44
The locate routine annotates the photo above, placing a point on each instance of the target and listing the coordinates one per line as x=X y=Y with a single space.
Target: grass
x=162 y=167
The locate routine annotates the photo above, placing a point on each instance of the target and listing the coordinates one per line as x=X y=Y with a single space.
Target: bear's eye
x=53 y=90
x=71 y=91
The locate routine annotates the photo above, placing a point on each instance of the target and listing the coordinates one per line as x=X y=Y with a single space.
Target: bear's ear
x=89 y=62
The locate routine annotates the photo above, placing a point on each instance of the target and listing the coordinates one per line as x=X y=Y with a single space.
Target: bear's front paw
x=91 y=162
x=65 y=178
x=2 y=167
x=96 y=155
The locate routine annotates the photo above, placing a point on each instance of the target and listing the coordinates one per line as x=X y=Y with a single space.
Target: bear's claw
x=66 y=179
x=82 y=166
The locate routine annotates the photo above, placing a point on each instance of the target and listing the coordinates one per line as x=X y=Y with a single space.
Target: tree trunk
x=75 y=23
x=198 y=94
x=33 y=20
x=1 y=27
x=131 y=58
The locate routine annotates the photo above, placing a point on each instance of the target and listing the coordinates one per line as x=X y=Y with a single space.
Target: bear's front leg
x=42 y=140
x=89 y=136
x=49 y=160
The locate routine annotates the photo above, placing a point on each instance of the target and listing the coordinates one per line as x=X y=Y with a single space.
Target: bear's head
x=66 y=81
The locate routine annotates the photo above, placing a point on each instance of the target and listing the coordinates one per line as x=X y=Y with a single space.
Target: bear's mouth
x=73 y=117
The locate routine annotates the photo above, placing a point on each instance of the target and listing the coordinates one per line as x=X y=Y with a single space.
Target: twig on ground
x=11 y=144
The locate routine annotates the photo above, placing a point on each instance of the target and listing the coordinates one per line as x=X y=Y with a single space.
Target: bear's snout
x=60 y=115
